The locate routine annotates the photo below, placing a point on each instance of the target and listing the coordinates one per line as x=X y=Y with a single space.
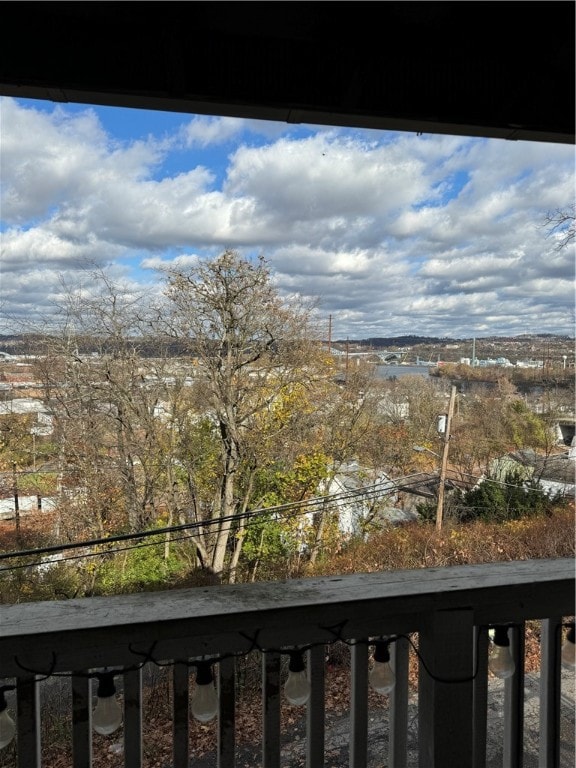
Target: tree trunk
x=240 y=533
x=319 y=533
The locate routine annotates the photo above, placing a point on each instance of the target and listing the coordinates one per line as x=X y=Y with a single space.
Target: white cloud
x=54 y=160
x=206 y=131
x=393 y=233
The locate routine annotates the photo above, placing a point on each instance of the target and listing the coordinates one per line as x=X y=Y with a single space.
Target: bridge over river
x=382 y=355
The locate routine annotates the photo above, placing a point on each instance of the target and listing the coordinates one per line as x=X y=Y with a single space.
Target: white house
x=363 y=497
x=556 y=474
x=29 y=405
x=26 y=505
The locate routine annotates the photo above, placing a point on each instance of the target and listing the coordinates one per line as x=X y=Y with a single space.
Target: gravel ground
x=337 y=735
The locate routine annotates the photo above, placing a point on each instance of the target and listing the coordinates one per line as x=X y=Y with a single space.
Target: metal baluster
x=514 y=702
x=180 y=715
x=316 y=709
x=550 y=690
x=133 y=718
x=81 y=720
x=359 y=706
x=227 y=716
x=480 y=705
x=271 y=710
x=398 y=704
x=28 y=722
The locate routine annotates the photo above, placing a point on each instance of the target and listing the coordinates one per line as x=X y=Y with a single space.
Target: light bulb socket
x=204 y=674
x=3 y=702
x=106 y=687
x=382 y=651
x=568 y=652
x=296 y=662
x=501 y=636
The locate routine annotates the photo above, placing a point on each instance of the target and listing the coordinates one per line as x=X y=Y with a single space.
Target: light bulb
x=501 y=662
x=569 y=648
x=204 y=699
x=107 y=715
x=7 y=729
x=297 y=687
x=7 y=725
x=381 y=677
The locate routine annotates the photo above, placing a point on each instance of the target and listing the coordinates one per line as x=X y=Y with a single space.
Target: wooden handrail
x=449 y=608
x=102 y=631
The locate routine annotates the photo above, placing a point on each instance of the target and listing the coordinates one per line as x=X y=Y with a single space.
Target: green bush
x=141 y=568
x=512 y=498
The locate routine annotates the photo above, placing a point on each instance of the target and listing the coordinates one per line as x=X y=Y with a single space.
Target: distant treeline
x=403 y=341
x=413 y=341
x=37 y=344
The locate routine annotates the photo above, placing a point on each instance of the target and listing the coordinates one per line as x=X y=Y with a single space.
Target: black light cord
x=335 y=630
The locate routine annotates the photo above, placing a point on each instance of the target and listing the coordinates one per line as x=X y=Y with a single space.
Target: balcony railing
x=446 y=612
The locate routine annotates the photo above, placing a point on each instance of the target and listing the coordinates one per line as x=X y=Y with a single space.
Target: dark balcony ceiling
x=493 y=69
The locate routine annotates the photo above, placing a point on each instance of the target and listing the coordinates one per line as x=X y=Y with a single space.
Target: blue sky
x=389 y=233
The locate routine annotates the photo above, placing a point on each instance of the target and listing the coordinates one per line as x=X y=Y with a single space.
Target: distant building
x=26 y=505
x=23 y=406
x=529 y=364
x=556 y=474
x=395 y=410
x=363 y=496
x=498 y=362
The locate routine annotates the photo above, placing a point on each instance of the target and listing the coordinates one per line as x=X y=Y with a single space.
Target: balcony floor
x=338 y=737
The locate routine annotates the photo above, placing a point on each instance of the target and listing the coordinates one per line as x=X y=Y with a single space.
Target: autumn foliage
x=422 y=546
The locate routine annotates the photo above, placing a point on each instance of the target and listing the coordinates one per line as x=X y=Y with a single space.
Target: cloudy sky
x=391 y=233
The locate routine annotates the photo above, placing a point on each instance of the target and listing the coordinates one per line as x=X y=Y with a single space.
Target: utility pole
x=443 y=466
x=16 y=500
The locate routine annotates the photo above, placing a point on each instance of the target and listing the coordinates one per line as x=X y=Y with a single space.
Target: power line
x=281 y=511
x=306 y=506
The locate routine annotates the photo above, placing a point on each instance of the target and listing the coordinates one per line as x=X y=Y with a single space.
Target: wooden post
x=442 y=484
x=445 y=689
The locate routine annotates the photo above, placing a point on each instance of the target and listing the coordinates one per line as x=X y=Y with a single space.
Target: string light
x=297 y=687
x=381 y=677
x=204 y=699
x=7 y=725
x=107 y=715
x=568 y=654
x=500 y=661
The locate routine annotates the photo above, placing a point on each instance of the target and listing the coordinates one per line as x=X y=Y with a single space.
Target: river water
x=396 y=371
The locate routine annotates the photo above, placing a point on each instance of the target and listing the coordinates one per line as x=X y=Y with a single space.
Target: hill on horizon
x=414 y=340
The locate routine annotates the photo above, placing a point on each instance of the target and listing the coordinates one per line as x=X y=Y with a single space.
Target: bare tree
x=251 y=347
x=561 y=224
x=104 y=403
